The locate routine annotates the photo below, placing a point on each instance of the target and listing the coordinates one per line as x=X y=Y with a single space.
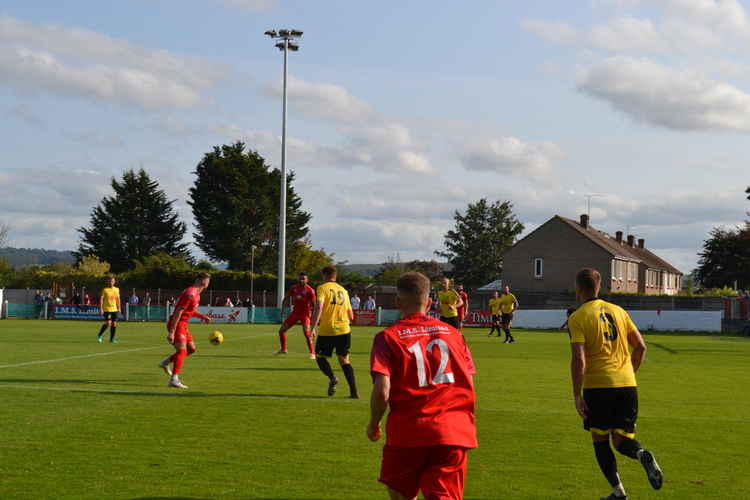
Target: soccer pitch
x=82 y=420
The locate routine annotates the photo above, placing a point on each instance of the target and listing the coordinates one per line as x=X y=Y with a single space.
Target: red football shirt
x=303 y=299
x=432 y=392
x=189 y=302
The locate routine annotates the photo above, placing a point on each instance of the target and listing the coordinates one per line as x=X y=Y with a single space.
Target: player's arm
x=316 y=313
x=381 y=391
x=638 y=356
x=515 y=303
x=201 y=317
x=101 y=302
x=350 y=310
x=577 y=371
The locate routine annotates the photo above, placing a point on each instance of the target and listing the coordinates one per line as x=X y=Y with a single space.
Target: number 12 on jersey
x=441 y=377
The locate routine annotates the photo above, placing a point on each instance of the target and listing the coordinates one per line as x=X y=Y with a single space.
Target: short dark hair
x=303 y=273
x=202 y=276
x=415 y=284
x=589 y=280
x=328 y=272
x=110 y=277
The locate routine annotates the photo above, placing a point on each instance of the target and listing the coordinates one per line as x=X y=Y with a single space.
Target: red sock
x=282 y=340
x=177 y=359
x=309 y=341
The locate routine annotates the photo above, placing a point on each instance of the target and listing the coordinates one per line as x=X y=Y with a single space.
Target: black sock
x=607 y=462
x=349 y=374
x=507 y=334
x=324 y=366
x=629 y=448
x=101 y=330
x=112 y=330
x=492 y=330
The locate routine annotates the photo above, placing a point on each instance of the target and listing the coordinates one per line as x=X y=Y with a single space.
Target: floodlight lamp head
x=296 y=33
x=293 y=46
x=283 y=32
x=280 y=45
x=271 y=33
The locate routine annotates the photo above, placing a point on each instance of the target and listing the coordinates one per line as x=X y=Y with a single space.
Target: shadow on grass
x=201 y=394
x=200 y=354
x=693 y=350
x=270 y=369
x=65 y=381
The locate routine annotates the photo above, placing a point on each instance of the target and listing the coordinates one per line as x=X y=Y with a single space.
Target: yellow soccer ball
x=216 y=338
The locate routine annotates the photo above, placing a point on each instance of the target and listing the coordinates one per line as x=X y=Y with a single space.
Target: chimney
x=585 y=221
x=641 y=243
x=631 y=240
x=618 y=237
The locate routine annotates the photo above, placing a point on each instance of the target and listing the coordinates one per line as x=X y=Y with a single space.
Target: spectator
x=248 y=302
x=218 y=303
x=133 y=300
x=147 y=299
x=76 y=300
x=228 y=302
x=39 y=303
x=355 y=302
x=87 y=300
x=170 y=301
x=370 y=304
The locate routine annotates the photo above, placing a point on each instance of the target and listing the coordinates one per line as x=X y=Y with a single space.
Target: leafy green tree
x=235 y=202
x=91 y=265
x=6 y=272
x=725 y=258
x=137 y=221
x=475 y=246
x=303 y=258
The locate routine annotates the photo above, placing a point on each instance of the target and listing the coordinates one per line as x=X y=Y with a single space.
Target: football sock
x=190 y=350
x=282 y=341
x=102 y=329
x=349 y=374
x=324 y=366
x=178 y=359
x=607 y=462
x=112 y=331
x=629 y=448
x=507 y=334
x=308 y=339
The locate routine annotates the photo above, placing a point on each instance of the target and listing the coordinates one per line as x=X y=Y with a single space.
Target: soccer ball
x=216 y=338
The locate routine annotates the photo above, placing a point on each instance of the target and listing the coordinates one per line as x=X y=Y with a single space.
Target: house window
x=539 y=268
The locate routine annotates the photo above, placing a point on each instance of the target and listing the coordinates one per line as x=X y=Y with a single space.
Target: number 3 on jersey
x=441 y=377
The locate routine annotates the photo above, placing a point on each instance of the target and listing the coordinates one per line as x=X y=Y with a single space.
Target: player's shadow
x=276 y=369
x=65 y=381
x=203 y=394
x=221 y=356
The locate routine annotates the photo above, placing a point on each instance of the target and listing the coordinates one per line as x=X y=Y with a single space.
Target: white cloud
x=88 y=64
x=627 y=34
x=650 y=92
x=552 y=32
x=512 y=156
x=322 y=100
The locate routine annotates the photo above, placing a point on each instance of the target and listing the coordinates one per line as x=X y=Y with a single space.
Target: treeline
x=23 y=257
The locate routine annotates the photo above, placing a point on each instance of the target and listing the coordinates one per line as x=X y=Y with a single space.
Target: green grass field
x=82 y=420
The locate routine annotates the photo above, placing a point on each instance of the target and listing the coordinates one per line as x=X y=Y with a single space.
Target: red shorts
x=182 y=334
x=438 y=471
x=294 y=318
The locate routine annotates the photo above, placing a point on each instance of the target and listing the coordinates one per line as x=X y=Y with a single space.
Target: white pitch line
x=124 y=351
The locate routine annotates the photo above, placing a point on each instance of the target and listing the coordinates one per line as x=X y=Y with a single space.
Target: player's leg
x=343 y=346
x=103 y=328
x=623 y=437
x=323 y=351
x=285 y=326
x=599 y=424
x=308 y=338
x=181 y=340
x=507 y=320
x=444 y=473
x=113 y=329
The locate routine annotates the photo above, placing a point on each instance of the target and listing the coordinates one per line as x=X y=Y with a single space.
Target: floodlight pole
x=281 y=288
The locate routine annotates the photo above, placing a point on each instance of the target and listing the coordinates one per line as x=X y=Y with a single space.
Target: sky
x=400 y=113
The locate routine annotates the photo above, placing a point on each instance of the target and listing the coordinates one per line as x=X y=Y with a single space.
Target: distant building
x=547 y=259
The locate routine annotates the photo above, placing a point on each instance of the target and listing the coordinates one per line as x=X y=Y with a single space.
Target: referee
x=603 y=371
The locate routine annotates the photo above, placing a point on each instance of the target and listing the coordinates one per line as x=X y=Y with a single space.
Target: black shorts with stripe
x=611 y=410
x=110 y=316
x=453 y=321
x=325 y=344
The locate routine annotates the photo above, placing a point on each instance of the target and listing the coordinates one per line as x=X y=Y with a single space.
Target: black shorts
x=110 y=316
x=506 y=318
x=454 y=321
x=611 y=410
x=496 y=318
x=325 y=344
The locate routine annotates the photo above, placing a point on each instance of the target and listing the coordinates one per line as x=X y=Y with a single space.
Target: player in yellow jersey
x=508 y=306
x=495 y=311
x=331 y=325
x=603 y=371
x=449 y=301
x=109 y=305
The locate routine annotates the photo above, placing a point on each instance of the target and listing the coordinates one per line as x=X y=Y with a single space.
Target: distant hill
x=24 y=257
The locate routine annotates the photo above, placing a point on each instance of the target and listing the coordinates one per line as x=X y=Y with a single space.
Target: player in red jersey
x=177 y=326
x=422 y=369
x=302 y=297
x=464 y=307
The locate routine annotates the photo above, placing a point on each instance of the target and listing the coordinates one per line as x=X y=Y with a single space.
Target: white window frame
x=539 y=264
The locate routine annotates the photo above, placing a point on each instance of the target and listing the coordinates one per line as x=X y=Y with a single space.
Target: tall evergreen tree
x=725 y=258
x=476 y=244
x=136 y=222
x=235 y=202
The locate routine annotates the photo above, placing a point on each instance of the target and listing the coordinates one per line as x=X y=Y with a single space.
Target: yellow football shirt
x=603 y=329
x=449 y=300
x=111 y=299
x=507 y=303
x=495 y=306
x=334 y=316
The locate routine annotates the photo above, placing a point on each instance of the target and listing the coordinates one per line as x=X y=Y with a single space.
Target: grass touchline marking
x=83 y=356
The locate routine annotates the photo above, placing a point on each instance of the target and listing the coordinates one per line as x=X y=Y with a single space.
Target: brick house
x=547 y=259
